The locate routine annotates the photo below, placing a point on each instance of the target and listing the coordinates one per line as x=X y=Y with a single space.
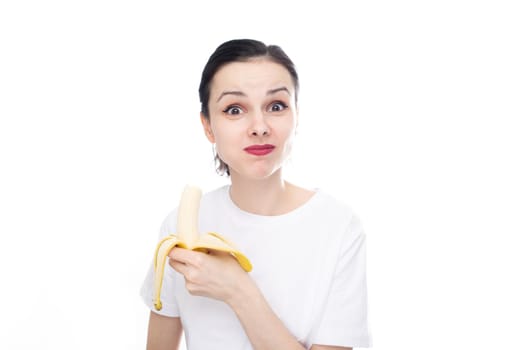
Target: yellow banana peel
x=188 y=237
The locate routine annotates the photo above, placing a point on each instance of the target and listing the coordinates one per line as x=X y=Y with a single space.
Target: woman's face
x=253 y=117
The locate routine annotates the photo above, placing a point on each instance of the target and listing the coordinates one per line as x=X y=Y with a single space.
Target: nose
x=259 y=126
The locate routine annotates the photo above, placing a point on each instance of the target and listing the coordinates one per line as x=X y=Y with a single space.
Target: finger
x=186 y=256
x=180 y=254
x=218 y=252
x=178 y=266
x=189 y=273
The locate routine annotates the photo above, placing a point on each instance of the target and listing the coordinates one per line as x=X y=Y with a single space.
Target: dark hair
x=240 y=50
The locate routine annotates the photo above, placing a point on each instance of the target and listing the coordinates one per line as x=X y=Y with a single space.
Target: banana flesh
x=188 y=237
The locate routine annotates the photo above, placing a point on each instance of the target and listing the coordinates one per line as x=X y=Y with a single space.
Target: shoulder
x=318 y=199
x=338 y=214
x=333 y=206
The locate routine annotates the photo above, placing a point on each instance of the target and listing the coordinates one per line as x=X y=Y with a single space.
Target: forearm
x=164 y=333
x=262 y=326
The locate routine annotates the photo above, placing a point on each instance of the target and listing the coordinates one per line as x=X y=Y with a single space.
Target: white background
x=411 y=112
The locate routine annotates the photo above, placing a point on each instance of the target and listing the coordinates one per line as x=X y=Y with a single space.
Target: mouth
x=260 y=150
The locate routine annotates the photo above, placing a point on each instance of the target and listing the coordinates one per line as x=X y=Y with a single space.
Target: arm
x=164 y=332
x=217 y=275
x=262 y=326
x=259 y=321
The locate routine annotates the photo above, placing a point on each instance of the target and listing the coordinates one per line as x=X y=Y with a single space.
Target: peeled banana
x=188 y=237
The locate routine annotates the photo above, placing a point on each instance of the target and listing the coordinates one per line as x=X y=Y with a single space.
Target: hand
x=215 y=275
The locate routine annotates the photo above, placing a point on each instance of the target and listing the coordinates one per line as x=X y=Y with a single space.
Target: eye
x=233 y=110
x=278 y=106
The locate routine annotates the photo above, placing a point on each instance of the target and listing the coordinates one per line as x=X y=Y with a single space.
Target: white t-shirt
x=310 y=265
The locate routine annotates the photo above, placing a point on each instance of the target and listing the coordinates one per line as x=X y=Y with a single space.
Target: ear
x=207 y=128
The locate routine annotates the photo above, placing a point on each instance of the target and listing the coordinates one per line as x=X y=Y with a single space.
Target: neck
x=259 y=196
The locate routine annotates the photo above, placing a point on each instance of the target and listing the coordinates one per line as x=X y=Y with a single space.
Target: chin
x=258 y=173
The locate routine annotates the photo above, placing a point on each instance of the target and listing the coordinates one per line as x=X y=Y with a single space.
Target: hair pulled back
x=240 y=50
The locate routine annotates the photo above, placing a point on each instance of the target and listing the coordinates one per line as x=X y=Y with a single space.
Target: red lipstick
x=259 y=150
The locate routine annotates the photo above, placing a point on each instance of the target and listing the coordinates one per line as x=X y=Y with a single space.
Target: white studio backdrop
x=409 y=111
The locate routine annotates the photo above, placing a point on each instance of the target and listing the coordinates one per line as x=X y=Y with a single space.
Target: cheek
x=221 y=135
x=288 y=131
x=216 y=130
x=224 y=137
x=289 y=139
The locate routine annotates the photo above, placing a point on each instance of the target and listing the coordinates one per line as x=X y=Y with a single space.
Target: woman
x=307 y=288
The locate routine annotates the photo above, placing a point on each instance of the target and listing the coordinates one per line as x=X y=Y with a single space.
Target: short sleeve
x=167 y=293
x=344 y=321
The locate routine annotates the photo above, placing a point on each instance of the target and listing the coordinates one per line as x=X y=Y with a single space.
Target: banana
x=188 y=237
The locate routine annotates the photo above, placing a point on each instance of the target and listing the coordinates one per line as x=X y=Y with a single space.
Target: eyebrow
x=273 y=91
x=242 y=94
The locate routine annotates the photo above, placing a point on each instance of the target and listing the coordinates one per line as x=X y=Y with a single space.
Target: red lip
x=259 y=150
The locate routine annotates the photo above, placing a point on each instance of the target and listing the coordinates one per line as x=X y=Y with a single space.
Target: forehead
x=256 y=74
